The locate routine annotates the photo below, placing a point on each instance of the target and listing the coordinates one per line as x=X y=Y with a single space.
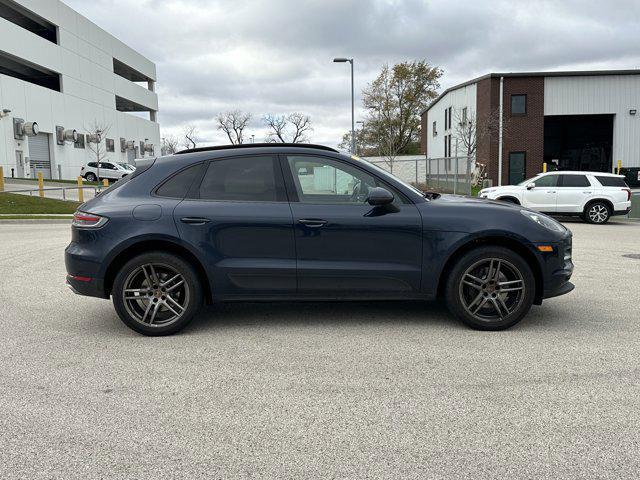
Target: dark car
x=304 y=222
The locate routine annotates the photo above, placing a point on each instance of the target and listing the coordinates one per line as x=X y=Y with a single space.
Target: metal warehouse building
x=582 y=120
x=60 y=77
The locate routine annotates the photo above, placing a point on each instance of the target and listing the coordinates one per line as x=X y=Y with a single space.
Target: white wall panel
x=605 y=94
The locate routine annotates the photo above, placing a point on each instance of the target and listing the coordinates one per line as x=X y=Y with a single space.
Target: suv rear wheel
x=91 y=177
x=157 y=293
x=597 y=212
x=490 y=288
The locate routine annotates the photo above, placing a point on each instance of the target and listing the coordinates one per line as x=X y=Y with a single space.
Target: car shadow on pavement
x=312 y=314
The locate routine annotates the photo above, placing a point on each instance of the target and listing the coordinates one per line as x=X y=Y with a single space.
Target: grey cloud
x=276 y=56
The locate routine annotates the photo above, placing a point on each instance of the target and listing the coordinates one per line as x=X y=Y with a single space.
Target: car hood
x=459 y=200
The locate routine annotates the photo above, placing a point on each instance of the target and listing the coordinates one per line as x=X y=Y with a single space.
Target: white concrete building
x=64 y=73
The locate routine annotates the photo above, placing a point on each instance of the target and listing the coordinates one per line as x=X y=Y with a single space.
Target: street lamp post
x=353 y=116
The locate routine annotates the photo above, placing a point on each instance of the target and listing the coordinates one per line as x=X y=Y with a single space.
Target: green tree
x=394 y=102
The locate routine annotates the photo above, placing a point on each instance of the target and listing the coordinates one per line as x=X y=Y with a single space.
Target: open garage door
x=579 y=142
x=39 y=155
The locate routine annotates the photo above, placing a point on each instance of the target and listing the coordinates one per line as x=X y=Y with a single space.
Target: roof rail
x=257 y=145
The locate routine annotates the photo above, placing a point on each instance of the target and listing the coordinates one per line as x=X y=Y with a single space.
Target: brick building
x=582 y=120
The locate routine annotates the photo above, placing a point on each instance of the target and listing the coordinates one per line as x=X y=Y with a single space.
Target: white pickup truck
x=594 y=196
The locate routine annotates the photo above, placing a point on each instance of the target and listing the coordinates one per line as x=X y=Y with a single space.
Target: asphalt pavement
x=320 y=390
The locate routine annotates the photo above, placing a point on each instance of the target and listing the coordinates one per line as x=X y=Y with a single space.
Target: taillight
x=88 y=220
x=628 y=190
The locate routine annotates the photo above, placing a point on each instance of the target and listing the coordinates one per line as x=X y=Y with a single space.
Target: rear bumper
x=91 y=288
x=622 y=212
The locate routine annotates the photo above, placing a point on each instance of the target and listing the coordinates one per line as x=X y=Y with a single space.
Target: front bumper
x=559 y=269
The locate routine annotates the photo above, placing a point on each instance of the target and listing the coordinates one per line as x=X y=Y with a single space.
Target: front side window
x=251 y=179
x=518 y=104
x=575 y=181
x=546 y=181
x=321 y=180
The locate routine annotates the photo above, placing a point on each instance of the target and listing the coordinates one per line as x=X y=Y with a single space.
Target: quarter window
x=321 y=180
x=612 y=182
x=250 y=179
x=178 y=185
x=575 y=181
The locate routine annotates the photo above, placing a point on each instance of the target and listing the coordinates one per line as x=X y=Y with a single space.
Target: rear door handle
x=312 y=222
x=551 y=191
x=194 y=220
x=587 y=192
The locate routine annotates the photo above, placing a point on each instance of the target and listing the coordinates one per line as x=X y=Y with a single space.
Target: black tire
x=91 y=177
x=597 y=213
x=158 y=312
x=513 y=304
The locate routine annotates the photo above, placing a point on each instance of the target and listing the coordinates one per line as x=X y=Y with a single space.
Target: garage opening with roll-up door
x=39 y=155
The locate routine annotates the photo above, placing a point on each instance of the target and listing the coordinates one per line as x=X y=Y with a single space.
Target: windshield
x=382 y=170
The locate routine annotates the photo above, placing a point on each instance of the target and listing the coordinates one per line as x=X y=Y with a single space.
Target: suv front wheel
x=490 y=288
x=157 y=293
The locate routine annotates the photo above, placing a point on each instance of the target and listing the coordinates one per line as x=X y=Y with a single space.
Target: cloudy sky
x=276 y=56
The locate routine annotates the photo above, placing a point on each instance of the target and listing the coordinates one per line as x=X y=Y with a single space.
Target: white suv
x=594 y=196
x=111 y=171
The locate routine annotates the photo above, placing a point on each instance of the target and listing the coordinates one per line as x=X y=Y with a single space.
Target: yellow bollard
x=1 y=179
x=544 y=167
x=619 y=166
x=80 y=191
x=40 y=185
x=105 y=182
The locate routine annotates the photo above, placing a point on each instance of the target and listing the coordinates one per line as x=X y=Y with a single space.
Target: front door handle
x=194 y=220
x=312 y=222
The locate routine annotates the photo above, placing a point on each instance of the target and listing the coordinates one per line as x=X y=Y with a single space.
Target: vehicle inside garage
x=579 y=142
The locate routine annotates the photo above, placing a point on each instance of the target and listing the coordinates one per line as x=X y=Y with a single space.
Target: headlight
x=543 y=220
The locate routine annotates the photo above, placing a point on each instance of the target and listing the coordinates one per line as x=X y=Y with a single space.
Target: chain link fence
x=445 y=175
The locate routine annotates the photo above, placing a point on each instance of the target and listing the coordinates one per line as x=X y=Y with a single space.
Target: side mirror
x=379 y=196
x=531 y=186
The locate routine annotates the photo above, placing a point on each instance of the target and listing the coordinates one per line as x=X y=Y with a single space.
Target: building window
x=447 y=145
x=80 y=142
x=435 y=130
x=464 y=115
x=450 y=112
x=446 y=119
x=518 y=104
x=111 y=147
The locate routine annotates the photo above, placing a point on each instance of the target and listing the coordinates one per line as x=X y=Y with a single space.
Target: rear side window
x=612 y=182
x=574 y=181
x=178 y=185
x=253 y=179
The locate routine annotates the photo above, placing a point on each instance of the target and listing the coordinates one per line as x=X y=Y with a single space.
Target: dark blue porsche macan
x=303 y=222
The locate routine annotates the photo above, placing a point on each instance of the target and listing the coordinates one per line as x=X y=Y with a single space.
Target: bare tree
x=95 y=134
x=169 y=144
x=469 y=129
x=292 y=128
x=233 y=124
x=190 y=135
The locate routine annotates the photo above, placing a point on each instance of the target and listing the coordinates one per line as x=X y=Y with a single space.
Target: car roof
x=580 y=172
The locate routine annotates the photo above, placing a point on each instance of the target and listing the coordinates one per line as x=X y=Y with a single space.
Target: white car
x=108 y=170
x=594 y=196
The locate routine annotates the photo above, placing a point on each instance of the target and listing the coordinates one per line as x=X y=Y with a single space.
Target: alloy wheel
x=598 y=213
x=492 y=289
x=155 y=294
